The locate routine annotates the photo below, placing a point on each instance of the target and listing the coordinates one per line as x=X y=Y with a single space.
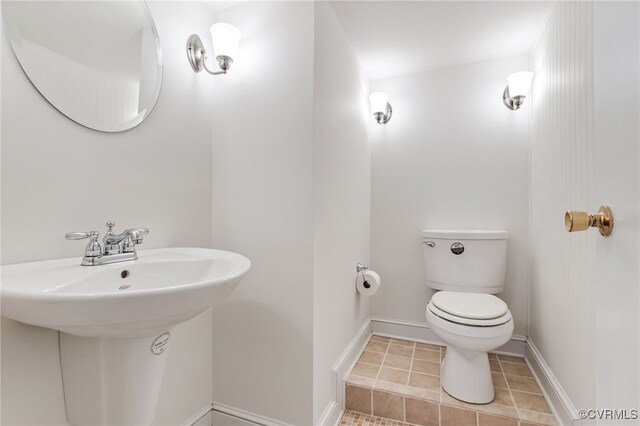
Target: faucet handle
x=134 y=237
x=81 y=235
x=137 y=233
x=110 y=226
x=93 y=249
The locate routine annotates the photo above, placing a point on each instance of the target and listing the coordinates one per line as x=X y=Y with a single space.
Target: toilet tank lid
x=466 y=234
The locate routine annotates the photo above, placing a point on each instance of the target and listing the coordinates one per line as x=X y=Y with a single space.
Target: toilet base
x=467 y=376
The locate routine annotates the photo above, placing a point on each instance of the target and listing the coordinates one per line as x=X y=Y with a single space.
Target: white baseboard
x=206 y=420
x=196 y=419
x=333 y=411
x=563 y=409
x=347 y=360
x=246 y=416
x=217 y=414
x=222 y=419
x=331 y=414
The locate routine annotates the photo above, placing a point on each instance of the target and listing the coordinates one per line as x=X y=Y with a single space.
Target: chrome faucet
x=117 y=247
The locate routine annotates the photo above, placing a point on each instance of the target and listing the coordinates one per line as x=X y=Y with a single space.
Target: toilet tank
x=470 y=260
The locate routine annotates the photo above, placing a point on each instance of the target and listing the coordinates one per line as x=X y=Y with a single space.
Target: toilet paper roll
x=368 y=282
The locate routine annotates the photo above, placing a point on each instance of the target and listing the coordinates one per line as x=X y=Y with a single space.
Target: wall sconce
x=380 y=107
x=518 y=85
x=225 y=39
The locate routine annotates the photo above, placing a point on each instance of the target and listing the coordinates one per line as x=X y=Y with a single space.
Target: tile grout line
x=521 y=391
x=513 y=400
x=402 y=369
x=379 y=371
x=440 y=389
x=413 y=355
x=518 y=409
x=404 y=398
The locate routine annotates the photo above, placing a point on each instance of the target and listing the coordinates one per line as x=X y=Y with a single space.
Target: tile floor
x=400 y=380
x=353 y=418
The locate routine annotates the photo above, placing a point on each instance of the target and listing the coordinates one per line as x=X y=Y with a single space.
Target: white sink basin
x=116 y=321
x=160 y=289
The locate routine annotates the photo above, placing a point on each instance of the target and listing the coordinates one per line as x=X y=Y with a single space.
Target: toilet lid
x=470 y=305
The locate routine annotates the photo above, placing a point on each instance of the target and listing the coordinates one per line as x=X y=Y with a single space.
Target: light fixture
x=518 y=85
x=380 y=107
x=225 y=39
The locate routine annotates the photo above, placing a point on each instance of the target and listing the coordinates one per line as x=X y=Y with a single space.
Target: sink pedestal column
x=112 y=381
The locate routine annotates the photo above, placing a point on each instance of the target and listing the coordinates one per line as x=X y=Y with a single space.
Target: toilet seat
x=470 y=305
x=471 y=309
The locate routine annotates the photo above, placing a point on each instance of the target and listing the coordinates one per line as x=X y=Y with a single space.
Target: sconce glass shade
x=378 y=101
x=225 y=39
x=519 y=83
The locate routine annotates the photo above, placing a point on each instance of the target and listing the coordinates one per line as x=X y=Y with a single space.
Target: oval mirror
x=98 y=62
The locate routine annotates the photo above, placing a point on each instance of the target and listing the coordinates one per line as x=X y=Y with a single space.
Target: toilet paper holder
x=367 y=280
x=359 y=269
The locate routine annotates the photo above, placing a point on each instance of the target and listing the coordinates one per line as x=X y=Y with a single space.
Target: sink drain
x=124 y=274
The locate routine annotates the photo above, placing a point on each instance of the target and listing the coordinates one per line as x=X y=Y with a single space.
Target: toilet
x=466 y=268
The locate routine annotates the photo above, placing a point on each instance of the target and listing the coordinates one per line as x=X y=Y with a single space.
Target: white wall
x=452 y=156
x=263 y=208
x=342 y=197
x=562 y=287
x=58 y=176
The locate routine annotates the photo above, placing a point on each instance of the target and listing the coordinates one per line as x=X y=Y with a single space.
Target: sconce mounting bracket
x=197 y=55
x=196 y=52
x=513 y=103
x=384 y=117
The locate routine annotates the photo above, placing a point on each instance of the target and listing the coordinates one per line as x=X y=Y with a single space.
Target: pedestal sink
x=115 y=321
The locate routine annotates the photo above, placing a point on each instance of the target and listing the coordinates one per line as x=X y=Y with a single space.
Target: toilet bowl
x=467 y=267
x=454 y=317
